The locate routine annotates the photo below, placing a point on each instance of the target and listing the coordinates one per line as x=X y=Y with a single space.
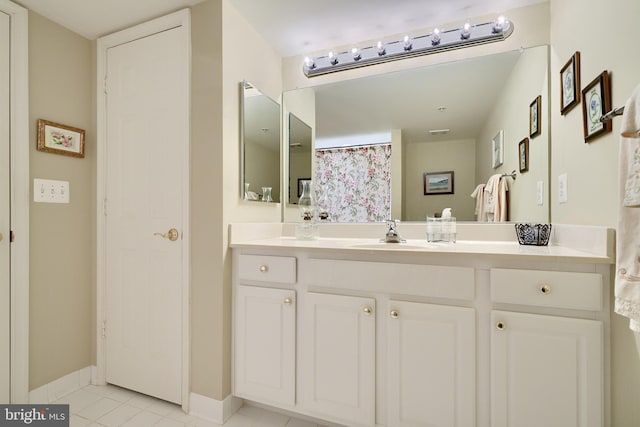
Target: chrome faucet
x=392 y=235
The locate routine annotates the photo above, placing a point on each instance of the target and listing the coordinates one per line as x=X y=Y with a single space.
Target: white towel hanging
x=627 y=279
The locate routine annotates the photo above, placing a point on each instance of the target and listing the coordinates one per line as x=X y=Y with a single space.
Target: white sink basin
x=391 y=246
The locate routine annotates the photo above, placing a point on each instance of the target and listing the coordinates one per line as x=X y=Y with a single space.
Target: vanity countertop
x=568 y=244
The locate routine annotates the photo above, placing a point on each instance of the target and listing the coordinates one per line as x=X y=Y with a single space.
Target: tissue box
x=533 y=234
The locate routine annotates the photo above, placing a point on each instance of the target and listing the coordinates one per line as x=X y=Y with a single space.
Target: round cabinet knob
x=394 y=314
x=367 y=310
x=500 y=326
x=287 y=301
x=545 y=289
x=264 y=269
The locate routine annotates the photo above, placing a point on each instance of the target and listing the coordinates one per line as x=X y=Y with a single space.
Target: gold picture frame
x=60 y=139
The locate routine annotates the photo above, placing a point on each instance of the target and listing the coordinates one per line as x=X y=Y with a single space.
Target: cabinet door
x=338 y=360
x=431 y=357
x=265 y=344
x=546 y=371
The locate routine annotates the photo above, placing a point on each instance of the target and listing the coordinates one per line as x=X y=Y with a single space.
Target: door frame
x=19 y=145
x=181 y=18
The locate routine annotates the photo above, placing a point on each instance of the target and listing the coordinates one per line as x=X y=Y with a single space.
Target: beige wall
x=207 y=329
x=218 y=68
x=60 y=90
x=510 y=113
x=592 y=168
x=457 y=156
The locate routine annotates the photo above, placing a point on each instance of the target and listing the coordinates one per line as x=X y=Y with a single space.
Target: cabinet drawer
x=580 y=291
x=267 y=268
x=387 y=277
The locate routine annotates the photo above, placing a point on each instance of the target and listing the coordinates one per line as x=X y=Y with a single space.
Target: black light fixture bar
x=488 y=32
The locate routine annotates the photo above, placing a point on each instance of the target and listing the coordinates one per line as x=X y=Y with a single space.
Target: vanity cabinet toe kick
x=365 y=342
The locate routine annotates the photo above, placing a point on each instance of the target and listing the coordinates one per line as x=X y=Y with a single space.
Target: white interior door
x=147 y=107
x=5 y=277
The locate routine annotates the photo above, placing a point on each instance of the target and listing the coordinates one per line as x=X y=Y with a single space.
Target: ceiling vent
x=439 y=131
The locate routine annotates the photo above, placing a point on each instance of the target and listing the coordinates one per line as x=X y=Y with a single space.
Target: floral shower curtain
x=354 y=184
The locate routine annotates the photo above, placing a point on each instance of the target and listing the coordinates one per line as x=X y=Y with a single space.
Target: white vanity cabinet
x=265 y=331
x=337 y=363
x=447 y=338
x=431 y=365
x=547 y=370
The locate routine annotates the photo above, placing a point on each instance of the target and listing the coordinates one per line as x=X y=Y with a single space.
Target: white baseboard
x=62 y=386
x=213 y=410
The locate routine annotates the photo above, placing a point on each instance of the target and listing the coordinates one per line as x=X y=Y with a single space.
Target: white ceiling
x=292 y=27
x=96 y=18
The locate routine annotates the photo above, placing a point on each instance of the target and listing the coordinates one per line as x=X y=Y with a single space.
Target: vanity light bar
x=437 y=41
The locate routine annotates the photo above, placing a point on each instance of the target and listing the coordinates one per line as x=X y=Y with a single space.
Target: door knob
x=172 y=234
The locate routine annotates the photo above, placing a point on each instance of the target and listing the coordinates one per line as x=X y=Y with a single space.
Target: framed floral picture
x=570 y=84
x=596 y=102
x=60 y=139
x=497 y=149
x=438 y=183
x=535 y=117
x=523 y=155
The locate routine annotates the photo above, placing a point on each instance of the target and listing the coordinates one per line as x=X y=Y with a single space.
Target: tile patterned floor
x=110 y=406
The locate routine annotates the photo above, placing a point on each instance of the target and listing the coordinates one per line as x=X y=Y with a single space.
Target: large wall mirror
x=440 y=118
x=259 y=145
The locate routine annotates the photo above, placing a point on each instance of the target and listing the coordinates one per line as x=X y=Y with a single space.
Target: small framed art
x=60 y=139
x=570 y=84
x=535 y=117
x=523 y=155
x=438 y=183
x=497 y=149
x=596 y=102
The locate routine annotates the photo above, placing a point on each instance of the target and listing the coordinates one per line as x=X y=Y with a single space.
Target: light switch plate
x=540 y=193
x=50 y=191
x=563 y=192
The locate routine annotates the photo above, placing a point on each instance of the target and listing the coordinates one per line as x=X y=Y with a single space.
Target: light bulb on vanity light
x=499 y=24
x=407 y=43
x=333 y=59
x=356 y=54
x=435 y=37
x=309 y=63
x=381 y=48
x=465 y=31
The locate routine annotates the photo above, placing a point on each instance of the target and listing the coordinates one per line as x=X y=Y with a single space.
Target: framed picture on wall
x=60 y=139
x=438 y=183
x=596 y=102
x=523 y=155
x=570 y=84
x=535 y=117
x=497 y=149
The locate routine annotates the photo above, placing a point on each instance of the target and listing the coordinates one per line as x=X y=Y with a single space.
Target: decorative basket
x=533 y=234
